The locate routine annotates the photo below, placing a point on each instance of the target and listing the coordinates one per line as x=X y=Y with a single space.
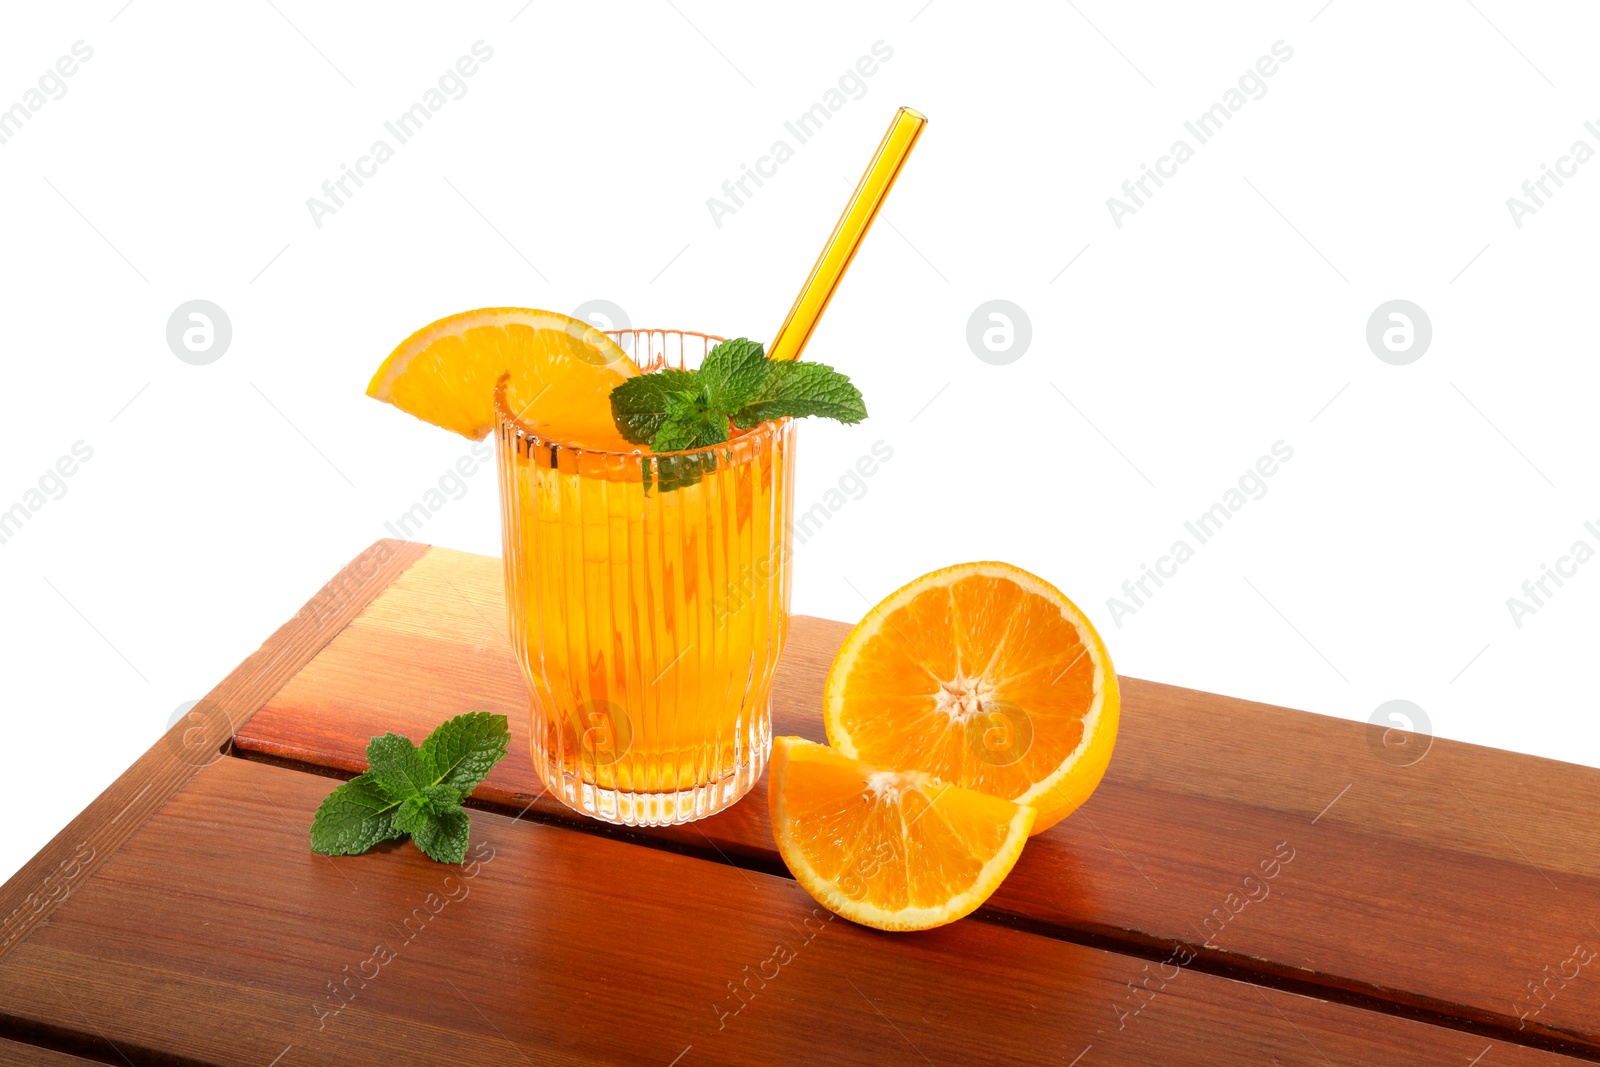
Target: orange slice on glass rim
x=561 y=373
x=984 y=676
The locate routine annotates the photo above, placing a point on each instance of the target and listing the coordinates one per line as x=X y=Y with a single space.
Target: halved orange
x=897 y=850
x=561 y=372
x=985 y=676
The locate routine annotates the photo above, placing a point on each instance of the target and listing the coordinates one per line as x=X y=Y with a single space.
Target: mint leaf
x=683 y=406
x=690 y=424
x=674 y=437
x=639 y=406
x=676 y=472
x=409 y=815
x=676 y=410
x=353 y=818
x=413 y=791
x=459 y=753
x=798 y=390
x=443 y=837
x=415 y=810
x=732 y=375
x=441 y=798
x=397 y=766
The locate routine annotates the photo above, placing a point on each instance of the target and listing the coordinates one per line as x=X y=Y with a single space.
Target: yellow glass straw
x=847 y=234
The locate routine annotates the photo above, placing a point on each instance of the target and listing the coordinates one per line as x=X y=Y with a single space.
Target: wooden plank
x=14 y=1054
x=1458 y=885
x=51 y=876
x=215 y=936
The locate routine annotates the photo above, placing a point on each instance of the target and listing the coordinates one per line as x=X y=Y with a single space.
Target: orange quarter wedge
x=561 y=373
x=897 y=850
x=984 y=676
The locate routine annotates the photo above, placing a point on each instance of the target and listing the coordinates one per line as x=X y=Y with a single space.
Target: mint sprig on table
x=671 y=410
x=674 y=410
x=411 y=791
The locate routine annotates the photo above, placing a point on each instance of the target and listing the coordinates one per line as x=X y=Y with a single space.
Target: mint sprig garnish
x=674 y=410
x=411 y=791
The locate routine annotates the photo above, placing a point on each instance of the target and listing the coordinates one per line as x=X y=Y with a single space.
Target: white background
x=1227 y=314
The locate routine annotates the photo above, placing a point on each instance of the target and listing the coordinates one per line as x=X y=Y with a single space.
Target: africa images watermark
x=52 y=485
x=1543 y=988
x=755 y=579
x=55 y=888
x=51 y=85
x=452 y=485
x=1203 y=128
x=1539 y=590
x=1399 y=732
x=855 y=881
x=342 y=992
x=1252 y=485
x=1252 y=888
x=751 y=983
x=403 y=128
x=806 y=126
x=1566 y=167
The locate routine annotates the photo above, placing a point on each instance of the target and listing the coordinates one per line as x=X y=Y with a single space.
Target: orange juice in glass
x=649 y=602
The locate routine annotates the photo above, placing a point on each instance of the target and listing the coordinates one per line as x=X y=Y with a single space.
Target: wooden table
x=1249 y=885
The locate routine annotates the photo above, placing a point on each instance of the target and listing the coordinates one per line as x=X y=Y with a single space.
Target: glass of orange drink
x=649 y=602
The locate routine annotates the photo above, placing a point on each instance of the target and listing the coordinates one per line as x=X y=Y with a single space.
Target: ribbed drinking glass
x=649 y=602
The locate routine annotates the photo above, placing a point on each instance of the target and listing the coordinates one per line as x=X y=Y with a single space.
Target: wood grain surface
x=1464 y=886
x=51 y=876
x=15 y=1054
x=214 y=936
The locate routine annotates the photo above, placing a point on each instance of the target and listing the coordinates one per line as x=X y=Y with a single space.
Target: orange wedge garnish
x=561 y=372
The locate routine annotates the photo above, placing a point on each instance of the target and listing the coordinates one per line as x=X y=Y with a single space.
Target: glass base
x=625 y=808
